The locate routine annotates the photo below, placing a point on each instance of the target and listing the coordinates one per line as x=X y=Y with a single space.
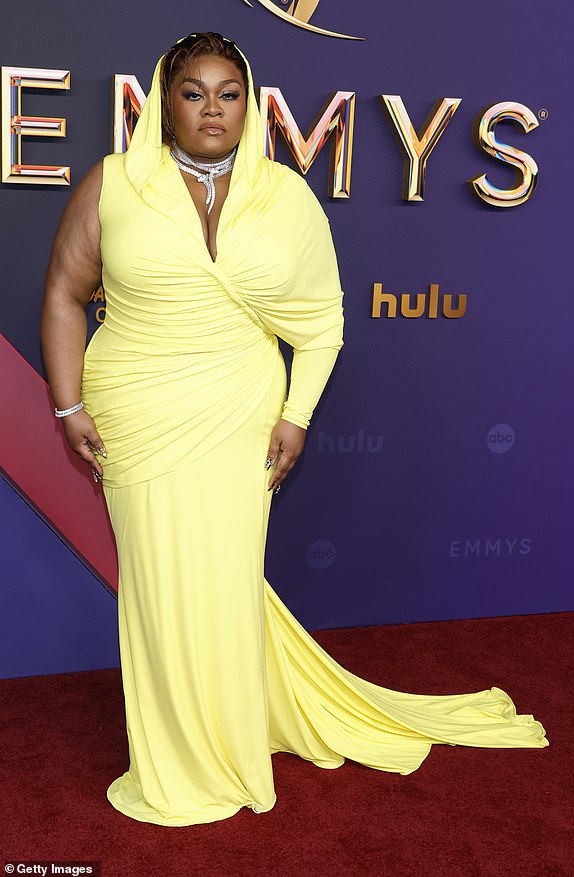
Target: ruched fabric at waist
x=161 y=327
x=158 y=406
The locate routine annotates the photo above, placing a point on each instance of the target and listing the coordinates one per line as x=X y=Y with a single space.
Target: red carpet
x=468 y=812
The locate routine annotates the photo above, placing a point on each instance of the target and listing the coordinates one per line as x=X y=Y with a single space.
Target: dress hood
x=147 y=150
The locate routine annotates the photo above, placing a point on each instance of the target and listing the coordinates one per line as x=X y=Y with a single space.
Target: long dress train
x=218 y=674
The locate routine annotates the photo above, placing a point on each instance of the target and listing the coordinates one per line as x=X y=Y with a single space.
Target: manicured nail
x=95 y=475
x=102 y=451
x=278 y=488
x=268 y=462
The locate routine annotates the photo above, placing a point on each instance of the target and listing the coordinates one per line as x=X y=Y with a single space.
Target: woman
x=183 y=390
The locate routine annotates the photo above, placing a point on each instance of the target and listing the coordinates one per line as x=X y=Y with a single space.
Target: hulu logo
x=425 y=303
x=360 y=443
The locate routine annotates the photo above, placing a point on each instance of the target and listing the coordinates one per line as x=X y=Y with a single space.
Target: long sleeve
x=310 y=372
x=310 y=317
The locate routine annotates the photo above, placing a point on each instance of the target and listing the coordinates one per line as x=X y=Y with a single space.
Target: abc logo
x=500 y=438
x=321 y=554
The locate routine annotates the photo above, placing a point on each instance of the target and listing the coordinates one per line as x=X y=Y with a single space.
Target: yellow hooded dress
x=185 y=381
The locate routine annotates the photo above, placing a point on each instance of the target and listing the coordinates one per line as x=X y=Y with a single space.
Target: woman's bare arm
x=74 y=271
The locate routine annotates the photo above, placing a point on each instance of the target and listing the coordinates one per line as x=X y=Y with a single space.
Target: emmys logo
x=299 y=13
x=501 y=547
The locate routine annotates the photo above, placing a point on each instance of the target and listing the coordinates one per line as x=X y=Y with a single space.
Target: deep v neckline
x=198 y=216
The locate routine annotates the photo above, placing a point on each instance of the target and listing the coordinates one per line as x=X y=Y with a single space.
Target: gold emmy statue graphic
x=299 y=13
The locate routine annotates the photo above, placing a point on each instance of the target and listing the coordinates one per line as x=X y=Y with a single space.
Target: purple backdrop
x=437 y=478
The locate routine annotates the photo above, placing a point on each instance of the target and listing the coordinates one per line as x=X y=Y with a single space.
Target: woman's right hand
x=74 y=271
x=83 y=439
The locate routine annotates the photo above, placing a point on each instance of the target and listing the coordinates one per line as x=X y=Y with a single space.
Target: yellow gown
x=185 y=381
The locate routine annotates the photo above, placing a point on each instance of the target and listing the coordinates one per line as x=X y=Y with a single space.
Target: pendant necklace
x=205 y=172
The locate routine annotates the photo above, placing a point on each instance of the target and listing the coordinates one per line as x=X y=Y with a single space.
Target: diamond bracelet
x=67 y=411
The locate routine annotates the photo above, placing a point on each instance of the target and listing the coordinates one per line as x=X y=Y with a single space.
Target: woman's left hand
x=285 y=447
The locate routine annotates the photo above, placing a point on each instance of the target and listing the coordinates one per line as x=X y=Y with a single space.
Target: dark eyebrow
x=200 y=82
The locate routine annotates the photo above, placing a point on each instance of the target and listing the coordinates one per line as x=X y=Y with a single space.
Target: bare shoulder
x=75 y=258
x=85 y=197
x=81 y=216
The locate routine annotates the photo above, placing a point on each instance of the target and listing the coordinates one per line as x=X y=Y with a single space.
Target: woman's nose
x=212 y=106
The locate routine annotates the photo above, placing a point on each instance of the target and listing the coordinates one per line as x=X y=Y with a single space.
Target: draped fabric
x=275 y=275
x=185 y=381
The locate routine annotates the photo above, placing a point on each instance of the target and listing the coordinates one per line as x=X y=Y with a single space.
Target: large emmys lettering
x=15 y=125
x=335 y=117
x=128 y=98
x=417 y=147
x=407 y=310
x=526 y=174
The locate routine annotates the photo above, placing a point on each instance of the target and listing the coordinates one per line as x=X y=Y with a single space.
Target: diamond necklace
x=205 y=172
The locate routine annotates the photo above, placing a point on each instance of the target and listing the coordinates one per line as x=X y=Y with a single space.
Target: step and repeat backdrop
x=436 y=481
